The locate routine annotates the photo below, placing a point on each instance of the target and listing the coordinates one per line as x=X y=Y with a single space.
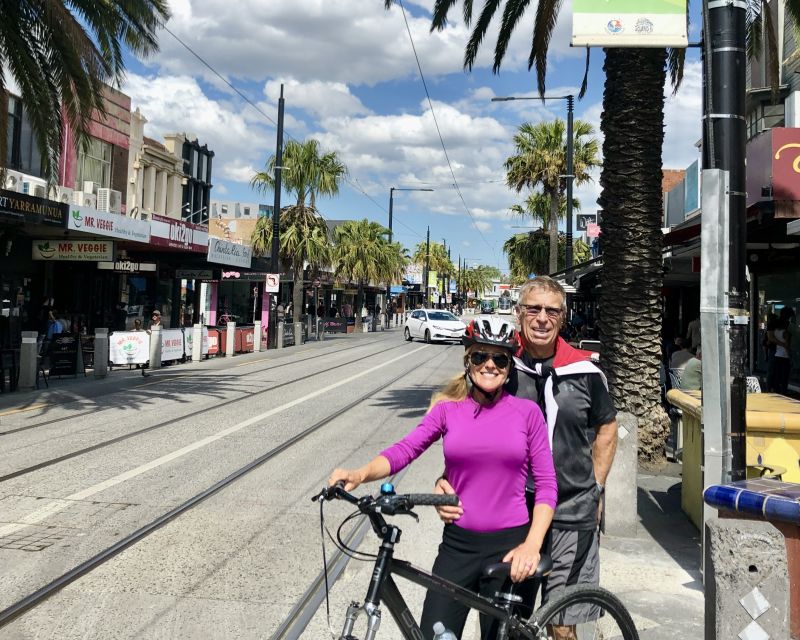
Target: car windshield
x=505 y=303
x=441 y=315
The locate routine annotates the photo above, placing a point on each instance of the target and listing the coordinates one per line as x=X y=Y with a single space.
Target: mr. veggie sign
x=91 y=250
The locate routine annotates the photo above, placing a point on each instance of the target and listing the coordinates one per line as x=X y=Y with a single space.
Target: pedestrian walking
x=491 y=440
x=581 y=420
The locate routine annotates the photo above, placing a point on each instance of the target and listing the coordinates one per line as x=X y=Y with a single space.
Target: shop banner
x=30 y=209
x=253 y=276
x=114 y=225
x=129 y=347
x=188 y=335
x=230 y=253
x=629 y=23
x=177 y=234
x=90 y=250
x=194 y=274
x=171 y=344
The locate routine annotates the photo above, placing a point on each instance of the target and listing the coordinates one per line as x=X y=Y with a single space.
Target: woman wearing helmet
x=490 y=441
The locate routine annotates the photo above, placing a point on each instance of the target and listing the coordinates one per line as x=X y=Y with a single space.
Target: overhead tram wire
x=438 y=131
x=354 y=185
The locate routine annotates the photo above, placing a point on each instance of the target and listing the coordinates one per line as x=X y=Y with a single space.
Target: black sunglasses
x=501 y=361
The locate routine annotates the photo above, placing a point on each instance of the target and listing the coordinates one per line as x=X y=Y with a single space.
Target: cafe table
x=772 y=442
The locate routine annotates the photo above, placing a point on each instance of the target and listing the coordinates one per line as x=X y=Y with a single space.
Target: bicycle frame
x=382 y=588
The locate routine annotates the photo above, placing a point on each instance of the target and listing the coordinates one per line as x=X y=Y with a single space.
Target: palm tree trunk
x=553 y=230
x=631 y=201
x=297 y=292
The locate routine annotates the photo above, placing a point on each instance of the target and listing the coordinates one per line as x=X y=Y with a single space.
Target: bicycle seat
x=502 y=569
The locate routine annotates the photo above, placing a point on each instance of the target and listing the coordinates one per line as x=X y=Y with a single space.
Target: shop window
x=94 y=164
x=23 y=151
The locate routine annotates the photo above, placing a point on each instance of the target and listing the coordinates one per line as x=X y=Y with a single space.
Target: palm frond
x=481 y=27
x=514 y=10
x=546 y=17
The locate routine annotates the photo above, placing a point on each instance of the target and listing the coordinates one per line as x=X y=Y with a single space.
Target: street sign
x=273 y=283
x=629 y=23
x=583 y=220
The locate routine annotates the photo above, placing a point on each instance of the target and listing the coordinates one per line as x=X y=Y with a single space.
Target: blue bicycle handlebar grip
x=433 y=499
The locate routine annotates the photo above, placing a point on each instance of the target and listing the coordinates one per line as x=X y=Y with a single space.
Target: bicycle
x=614 y=620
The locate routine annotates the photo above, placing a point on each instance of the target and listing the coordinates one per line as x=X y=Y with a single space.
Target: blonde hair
x=457 y=388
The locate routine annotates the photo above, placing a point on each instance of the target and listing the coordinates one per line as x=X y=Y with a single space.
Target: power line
x=438 y=131
x=354 y=185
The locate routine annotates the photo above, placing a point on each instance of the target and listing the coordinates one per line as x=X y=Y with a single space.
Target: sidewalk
x=84 y=387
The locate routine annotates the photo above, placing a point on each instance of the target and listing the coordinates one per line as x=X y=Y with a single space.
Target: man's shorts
x=576 y=560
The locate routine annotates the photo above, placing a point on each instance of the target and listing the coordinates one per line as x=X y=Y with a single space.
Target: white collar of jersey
x=550 y=405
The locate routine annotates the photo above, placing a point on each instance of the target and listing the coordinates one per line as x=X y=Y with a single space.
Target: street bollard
x=100 y=353
x=155 y=347
x=230 y=340
x=320 y=329
x=257 y=336
x=280 y=335
x=28 y=360
x=382 y=321
x=298 y=333
x=197 y=342
x=309 y=326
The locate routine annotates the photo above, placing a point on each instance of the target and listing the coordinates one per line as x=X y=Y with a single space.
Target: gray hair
x=544 y=283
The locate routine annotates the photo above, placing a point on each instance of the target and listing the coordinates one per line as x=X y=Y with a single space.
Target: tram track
x=178 y=375
x=39 y=596
x=248 y=396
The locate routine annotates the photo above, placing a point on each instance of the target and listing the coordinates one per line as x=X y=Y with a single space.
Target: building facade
x=197 y=163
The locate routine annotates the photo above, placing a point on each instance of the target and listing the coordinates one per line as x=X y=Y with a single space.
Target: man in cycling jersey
x=581 y=420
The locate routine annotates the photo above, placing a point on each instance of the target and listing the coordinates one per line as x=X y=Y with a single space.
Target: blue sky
x=351 y=81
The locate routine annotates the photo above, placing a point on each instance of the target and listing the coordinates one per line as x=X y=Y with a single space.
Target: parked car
x=433 y=325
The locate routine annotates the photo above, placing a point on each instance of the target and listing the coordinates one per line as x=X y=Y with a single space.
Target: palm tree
x=363 y=254
x=303 y=239
x=540 y=160
x=536 y=208
x=60 y=53
x=529 y=253
x=307 y=173
x=477 y=279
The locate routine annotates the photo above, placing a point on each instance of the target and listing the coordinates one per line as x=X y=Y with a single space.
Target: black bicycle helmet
x=494 y=331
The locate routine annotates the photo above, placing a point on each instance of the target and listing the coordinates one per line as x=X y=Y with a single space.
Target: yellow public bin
x=772 y=445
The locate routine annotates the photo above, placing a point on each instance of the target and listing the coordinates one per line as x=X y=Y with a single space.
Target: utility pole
x=272 y=335
x=724 y=147
x=570 y=179
x=427 y=268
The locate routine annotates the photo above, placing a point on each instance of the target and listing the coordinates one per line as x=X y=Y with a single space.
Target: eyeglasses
x=535 y=309
x=501 y=361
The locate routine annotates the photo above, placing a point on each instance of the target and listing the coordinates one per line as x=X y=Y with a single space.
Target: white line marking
x=54 y=507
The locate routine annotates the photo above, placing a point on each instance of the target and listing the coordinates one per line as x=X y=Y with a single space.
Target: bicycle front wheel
x=595 y=613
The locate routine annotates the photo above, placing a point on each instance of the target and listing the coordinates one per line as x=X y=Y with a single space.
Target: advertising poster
x=171 y=344
x=129 y=347
x=629 y=23
x=188 y=336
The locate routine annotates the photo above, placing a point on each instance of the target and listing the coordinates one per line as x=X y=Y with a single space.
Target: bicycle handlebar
x=389 y=504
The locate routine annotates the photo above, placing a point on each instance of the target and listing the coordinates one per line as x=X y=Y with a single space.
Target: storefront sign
x=194 y=274
x=127 y=266
x=177 y=234
x=114 y=225
x=90 y=250
x=629 y=23
x=272 y=284
x=20 y=206
x=129 y=347
x=230 y=253
x=63 y=352
x=171 y=344
x=253 y=276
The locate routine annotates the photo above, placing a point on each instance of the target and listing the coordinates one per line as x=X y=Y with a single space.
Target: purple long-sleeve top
x=488 y=451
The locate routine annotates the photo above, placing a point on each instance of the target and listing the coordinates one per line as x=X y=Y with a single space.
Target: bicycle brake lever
x=413 y=515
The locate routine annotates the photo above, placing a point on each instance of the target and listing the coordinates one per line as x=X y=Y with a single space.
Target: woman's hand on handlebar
x=350 y=477
x=447 y=514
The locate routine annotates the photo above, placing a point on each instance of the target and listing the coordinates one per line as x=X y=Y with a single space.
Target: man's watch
x=599 y=488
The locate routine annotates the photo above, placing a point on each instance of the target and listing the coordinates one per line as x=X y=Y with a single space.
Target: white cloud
x=341 y=41
x=321 y=99
x=481 y=225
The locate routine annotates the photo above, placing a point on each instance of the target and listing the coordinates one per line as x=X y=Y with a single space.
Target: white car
x=432 y=325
